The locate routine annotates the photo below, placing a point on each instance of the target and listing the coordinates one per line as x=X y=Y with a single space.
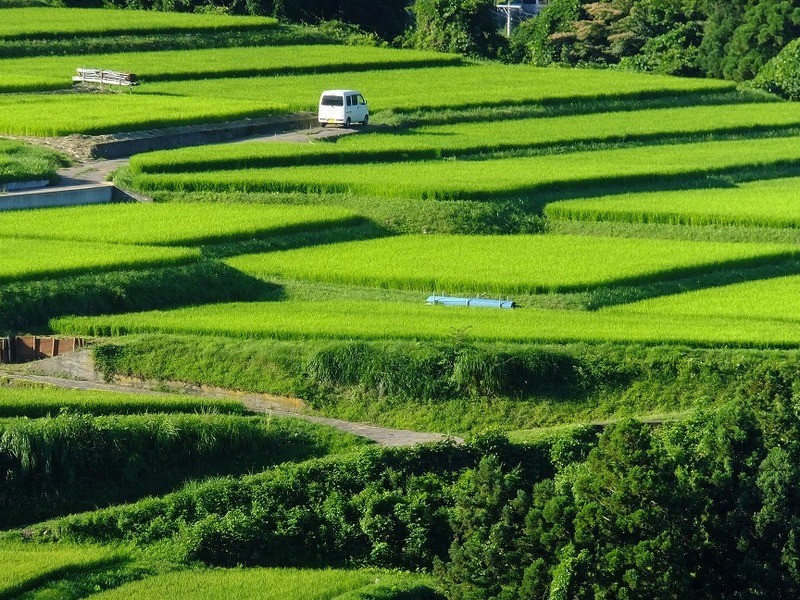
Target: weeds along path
x=77 y=373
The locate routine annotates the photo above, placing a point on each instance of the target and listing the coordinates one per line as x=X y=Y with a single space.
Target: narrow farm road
x=61 y=373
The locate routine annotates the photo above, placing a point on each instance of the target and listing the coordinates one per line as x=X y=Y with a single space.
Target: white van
x=343 y=107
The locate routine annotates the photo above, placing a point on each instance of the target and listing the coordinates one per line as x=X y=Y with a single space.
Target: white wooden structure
x=104 y=77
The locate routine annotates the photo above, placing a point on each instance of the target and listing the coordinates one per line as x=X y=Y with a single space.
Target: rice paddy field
x=293 y=276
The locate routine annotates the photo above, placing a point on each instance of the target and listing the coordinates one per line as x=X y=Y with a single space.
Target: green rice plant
x=25 y=259
x=171 y=224
x=26 y=565
x=775 y=299
x=23 y=162
x=498 y=178
x=766 y=203
x=65 y=114
x=287 y=584
x=35 y=401
x=49 y=23
x=179 y=103
x=522 y=264
x=376 y=320
x=439 y=141
x=55 y=72
x=453 y=87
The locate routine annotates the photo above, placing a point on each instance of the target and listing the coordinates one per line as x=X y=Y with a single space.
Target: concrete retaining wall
x=125 y=145
x=97 y=193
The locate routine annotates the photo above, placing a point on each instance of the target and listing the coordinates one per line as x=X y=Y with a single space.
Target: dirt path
x=75 y=371
x=87 y=170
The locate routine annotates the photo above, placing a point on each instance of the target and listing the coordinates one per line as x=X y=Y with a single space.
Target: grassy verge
x=22 y=162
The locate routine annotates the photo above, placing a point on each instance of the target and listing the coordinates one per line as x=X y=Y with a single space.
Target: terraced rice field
x=381 y=321
x=183 y=102
x=55 y=72
x=763 y=203
x=504 y=264
x=288 y=584
x=50 y=23
x=506 y=177
x=170 y=224
x=25 y=259
x=25 y=564
x=766 y=299
x=23 y=162
x=464 y=139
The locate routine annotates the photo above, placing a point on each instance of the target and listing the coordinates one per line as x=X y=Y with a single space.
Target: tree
x=460 y=26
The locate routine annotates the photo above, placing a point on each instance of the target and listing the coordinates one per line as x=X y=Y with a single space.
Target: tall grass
x=72 y=462
x=769 y=203
x=502 y=264
x=171 y=224
x=499 y=178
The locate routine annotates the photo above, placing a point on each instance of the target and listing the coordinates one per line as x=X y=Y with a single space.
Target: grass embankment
x=456 y=386
x=765 y=203
x=504 y=264
x=22 y=162
x=287 y=584
x=500 y=178
x=52 y=73
x=69 y=463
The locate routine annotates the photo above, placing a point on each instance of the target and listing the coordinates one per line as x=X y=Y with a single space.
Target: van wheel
x=365 y=122
x=322 y=124
x=347 y=122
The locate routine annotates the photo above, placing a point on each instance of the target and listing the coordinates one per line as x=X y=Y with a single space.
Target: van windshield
x=332 y=101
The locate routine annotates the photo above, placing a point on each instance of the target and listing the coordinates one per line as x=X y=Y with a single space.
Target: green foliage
x=73 y=462
x=781 y=75
x=542 y=40
x=22 y=162
x=462 y=26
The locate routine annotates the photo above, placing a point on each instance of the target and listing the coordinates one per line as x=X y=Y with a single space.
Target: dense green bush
x=460 y=26
x=71 y=462
x=781 y=75
x=382 y=507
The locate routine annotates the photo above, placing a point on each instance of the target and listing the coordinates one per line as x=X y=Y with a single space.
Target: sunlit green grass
x=169 y=223
x=29 y=258
x=23 y=162
x=286 y=584
x=487 y=179
x=522 y=264
x=377 y=320
x=768 y=203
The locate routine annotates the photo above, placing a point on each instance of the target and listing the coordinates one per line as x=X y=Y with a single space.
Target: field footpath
x=76 y=371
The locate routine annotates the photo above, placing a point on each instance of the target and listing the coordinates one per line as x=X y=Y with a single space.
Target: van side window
x=361 y=99
x=355 y=100
x=348 y=101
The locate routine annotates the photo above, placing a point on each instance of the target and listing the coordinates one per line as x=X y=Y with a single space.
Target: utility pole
x=507 y=9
